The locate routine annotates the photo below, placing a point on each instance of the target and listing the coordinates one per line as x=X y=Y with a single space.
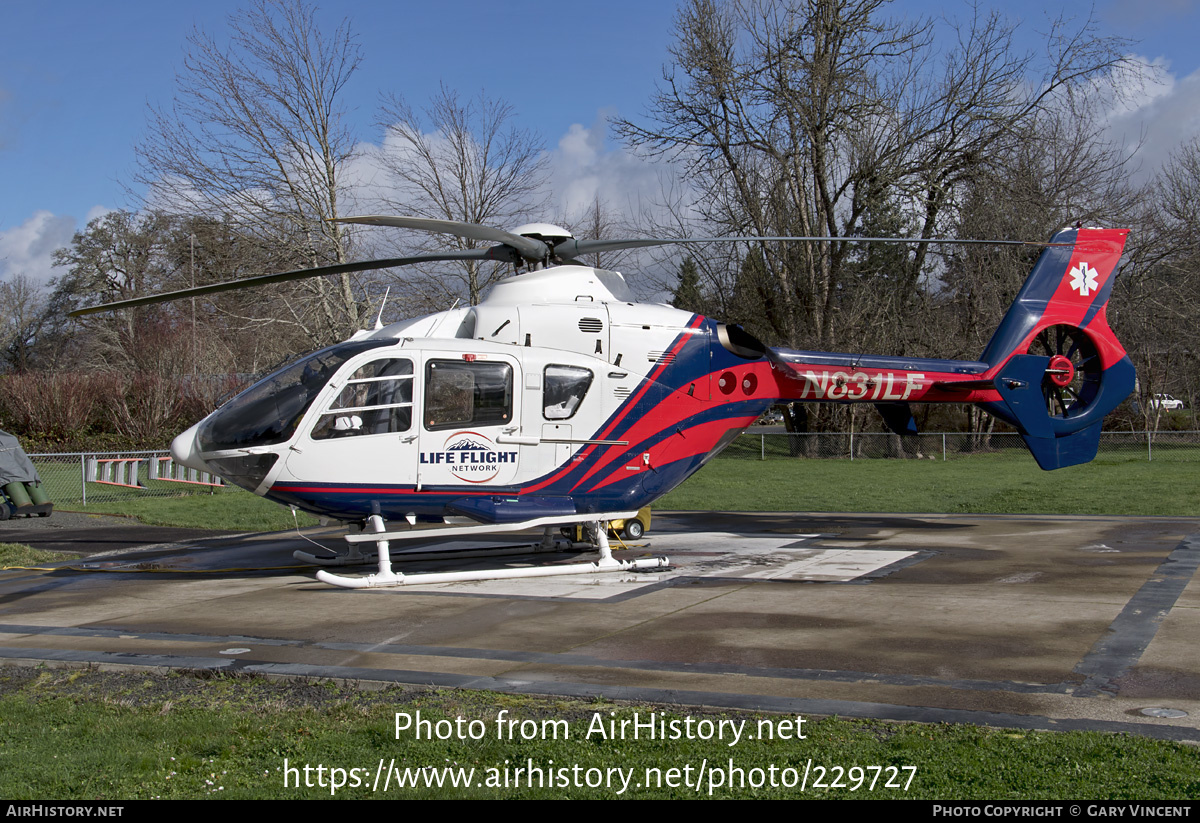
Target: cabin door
x=468 y=404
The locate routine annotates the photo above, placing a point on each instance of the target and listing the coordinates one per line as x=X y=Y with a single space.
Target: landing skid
x=386 y=577
x=358 y=557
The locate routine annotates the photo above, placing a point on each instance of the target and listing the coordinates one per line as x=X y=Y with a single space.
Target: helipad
x=1048 y=622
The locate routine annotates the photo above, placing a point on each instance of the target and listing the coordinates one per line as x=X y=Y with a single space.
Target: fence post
x=83 y=478
x=762 y=437
x=852 y=447
x=1149 y=448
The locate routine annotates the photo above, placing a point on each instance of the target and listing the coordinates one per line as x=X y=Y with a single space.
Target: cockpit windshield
x=269 y=411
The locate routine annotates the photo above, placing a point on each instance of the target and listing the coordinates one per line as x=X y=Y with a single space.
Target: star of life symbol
x=1083 y=279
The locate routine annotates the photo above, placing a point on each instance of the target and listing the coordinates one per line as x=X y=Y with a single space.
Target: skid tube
x=387 y=578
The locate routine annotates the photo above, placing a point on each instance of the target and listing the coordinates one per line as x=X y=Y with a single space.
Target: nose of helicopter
x=183 y=450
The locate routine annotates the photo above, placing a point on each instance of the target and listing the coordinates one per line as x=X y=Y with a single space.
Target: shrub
x=56 y=404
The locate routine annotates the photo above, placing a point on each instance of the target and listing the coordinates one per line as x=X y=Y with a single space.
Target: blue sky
x=76 y=79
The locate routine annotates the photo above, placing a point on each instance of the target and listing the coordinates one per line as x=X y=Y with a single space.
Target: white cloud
x=585 y=166
x=96 y=212
x=367 y=181
x=582 y=166
x=1155 y=116
x=28 y=249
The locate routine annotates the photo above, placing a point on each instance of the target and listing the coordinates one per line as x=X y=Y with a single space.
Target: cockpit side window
x=467 y=393
x=269 y=411
x=377 y=399
x=563 y=389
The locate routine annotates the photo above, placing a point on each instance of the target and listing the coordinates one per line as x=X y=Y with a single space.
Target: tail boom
x=844 y=378
x=1053 y=369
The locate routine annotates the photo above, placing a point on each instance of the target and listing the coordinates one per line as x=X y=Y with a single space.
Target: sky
x=77 y=79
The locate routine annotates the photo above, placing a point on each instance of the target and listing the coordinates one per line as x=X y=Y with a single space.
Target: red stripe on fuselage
x=689 y=442
x=610 y=452
x=652 y=378
x=678 y=406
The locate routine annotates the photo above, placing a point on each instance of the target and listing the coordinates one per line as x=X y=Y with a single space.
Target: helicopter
x=561 y=398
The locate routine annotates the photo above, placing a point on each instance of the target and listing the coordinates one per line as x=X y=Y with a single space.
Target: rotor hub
x=546 y=232
x=1061 y=370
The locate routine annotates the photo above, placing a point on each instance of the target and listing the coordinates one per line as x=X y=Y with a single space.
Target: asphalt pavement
x=1021 y=621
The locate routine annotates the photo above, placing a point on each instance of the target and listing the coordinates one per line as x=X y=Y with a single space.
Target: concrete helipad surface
x=1047 y=622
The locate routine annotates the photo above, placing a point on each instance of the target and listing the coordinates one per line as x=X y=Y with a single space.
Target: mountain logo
x=470 y=456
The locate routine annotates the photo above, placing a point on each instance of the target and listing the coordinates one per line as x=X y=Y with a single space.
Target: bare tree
x=461 y=160
x=1156 y=315
x=256 y=134
x=802 y=118
x=1061 y=172
x=22 y=317
x=600 y=222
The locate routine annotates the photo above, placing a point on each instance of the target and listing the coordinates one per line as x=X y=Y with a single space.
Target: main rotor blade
x=495 y=253
x=572 y=248
x=527 y=247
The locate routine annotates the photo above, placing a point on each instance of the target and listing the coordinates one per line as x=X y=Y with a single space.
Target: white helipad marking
x=724 y=542
x=833 y=565
x=786 y=557
x=703 y=554
x=576 y=587
x=792 y=563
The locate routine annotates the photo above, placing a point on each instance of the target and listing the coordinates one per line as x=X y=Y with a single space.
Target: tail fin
x=1057 y=366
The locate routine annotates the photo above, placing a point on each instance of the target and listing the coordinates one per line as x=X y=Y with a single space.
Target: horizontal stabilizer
x=1020 y=385
x=965 y=385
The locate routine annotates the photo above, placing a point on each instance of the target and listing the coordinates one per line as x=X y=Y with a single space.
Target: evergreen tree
x=687 y=294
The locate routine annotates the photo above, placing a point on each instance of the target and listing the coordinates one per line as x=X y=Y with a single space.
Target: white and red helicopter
x=561 y=398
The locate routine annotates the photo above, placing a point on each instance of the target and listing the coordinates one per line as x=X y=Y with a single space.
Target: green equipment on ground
x=21 y=490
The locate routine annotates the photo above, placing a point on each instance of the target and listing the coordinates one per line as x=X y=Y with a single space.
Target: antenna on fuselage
x=379 y=319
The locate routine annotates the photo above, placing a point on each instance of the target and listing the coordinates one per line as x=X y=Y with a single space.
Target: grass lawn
x=17 y=555
x=165 y=503
x=107 y=735
x=1007 y=482
x=1003 y=483
x=229 y=510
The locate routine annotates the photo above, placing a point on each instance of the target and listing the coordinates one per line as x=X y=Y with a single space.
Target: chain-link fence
x=75 y=480
x=949 y=446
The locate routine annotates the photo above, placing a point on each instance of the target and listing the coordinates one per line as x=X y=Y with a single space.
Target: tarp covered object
x=14 y=463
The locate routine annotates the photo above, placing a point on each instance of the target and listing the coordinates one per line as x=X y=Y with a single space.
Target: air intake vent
x=622 y=392
x=590 y=325
x=666 y=357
